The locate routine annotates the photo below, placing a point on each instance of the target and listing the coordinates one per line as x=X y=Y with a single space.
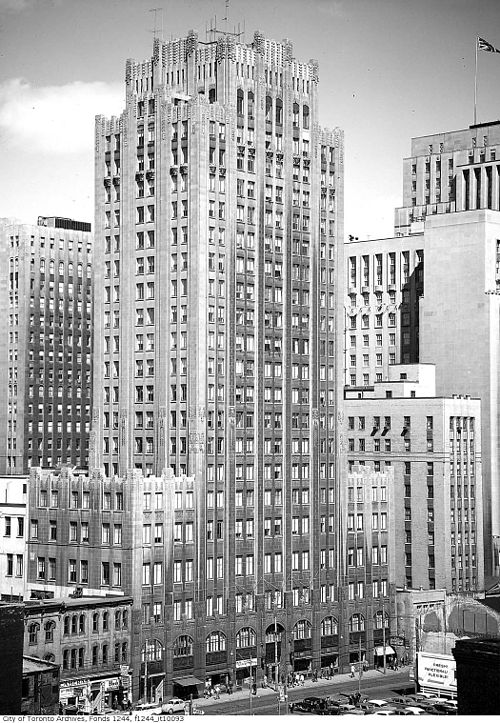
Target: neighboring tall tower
x=451 y=189
x=45 y=357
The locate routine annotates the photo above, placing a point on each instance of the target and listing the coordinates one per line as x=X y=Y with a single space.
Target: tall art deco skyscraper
x=218 y=343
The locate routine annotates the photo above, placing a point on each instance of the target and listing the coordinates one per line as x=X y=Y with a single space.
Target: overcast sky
x=389 y=70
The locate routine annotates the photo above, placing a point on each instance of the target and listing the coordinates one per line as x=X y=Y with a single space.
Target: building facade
x=45 y=367
x=13 y=505
x=40 y=687
x=384 y=285
x=433 y=445
x=88 y=638
x=460 y=334
x=450 y=172
x=11 y=672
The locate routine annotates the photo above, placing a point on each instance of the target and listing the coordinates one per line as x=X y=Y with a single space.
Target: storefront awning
x=379 y=651
x=187 y=681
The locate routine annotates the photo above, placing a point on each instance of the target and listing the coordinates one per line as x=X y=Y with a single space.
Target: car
x=402 y=700
x=148 y=708
x=387 y=710
x=173 y=705
x=414 y=710
x=377 y=702
x=308 y=705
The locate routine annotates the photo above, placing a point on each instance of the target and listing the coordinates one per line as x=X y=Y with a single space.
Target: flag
x=484 y=45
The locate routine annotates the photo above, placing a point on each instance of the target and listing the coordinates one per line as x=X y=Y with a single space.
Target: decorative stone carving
x=314 y=65
x=191 y=42
x=123 y=427
x=287 y=50
x=259 y=42
x=156 y=50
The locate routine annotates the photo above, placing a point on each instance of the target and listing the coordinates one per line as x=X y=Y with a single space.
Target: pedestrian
x=302 y=679
x=331 y=670
x=352 y=671
x=264 y=681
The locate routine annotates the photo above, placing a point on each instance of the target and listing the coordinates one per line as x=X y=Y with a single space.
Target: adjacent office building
x=13 y=506
x=446 y=313
x=433 y=446
x=45 y=367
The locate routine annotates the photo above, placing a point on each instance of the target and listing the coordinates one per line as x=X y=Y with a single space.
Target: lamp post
x=383 y=638
x=276 y=674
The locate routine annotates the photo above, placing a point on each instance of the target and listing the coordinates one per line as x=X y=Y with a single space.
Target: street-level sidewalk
x=308 y=687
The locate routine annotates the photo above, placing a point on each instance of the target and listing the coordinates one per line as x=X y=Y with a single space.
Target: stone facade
x=45 y=366
x=433 y=444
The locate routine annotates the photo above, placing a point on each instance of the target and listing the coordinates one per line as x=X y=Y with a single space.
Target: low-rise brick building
x=40 y=687
x=11 y=670
x=89 y=638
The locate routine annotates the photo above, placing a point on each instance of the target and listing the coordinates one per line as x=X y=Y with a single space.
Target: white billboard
x=437 y=671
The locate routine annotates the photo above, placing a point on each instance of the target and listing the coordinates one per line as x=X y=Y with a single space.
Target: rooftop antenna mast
x=155 y=29
x=212 y=31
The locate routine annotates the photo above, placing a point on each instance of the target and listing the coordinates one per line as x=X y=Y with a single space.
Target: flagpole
x=475 y=83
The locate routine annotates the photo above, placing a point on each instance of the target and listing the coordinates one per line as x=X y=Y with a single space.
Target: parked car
x=174 y=705
x=308 y=705
x=387 y=710
x=414 y=710
x=148 y=708
x=377 y=702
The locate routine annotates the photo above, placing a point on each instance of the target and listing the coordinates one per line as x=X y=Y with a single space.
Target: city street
x=374 y=685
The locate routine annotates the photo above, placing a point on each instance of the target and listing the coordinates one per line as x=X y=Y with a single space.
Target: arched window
x=118 y=617
x=70 y=269
x=51 y=267
x=296 y=115
x=269 y=108
x=79 y=270
x=245 y=638
x=151 y=650
x=250 y=108
x=61 y=268
x=305 y=116
x=74 y=624
x=302 y=630
x=183 y=646
x=81 y=624
x=124 y=652
x=356 y=623
x=66 y=625
x=95 y=623
x=211 y=95
x=279 y=111
x=381 y=619
x=65 y=659
x=33 y=629
x=239 y=101
x=124 y=619
x=216 y=642
x=329 y=626
x=105 y=621
x=49 y=631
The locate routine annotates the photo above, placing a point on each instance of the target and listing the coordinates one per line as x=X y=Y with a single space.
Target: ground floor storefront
x=97 y=693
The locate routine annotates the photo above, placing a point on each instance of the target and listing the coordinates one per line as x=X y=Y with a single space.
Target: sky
x=390 y=70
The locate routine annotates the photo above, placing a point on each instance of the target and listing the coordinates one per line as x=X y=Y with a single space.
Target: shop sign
x=437 y=671
x=246 y=663
x=111 y=684
x=397 y=640
x=79 y=683
x=123 y=670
